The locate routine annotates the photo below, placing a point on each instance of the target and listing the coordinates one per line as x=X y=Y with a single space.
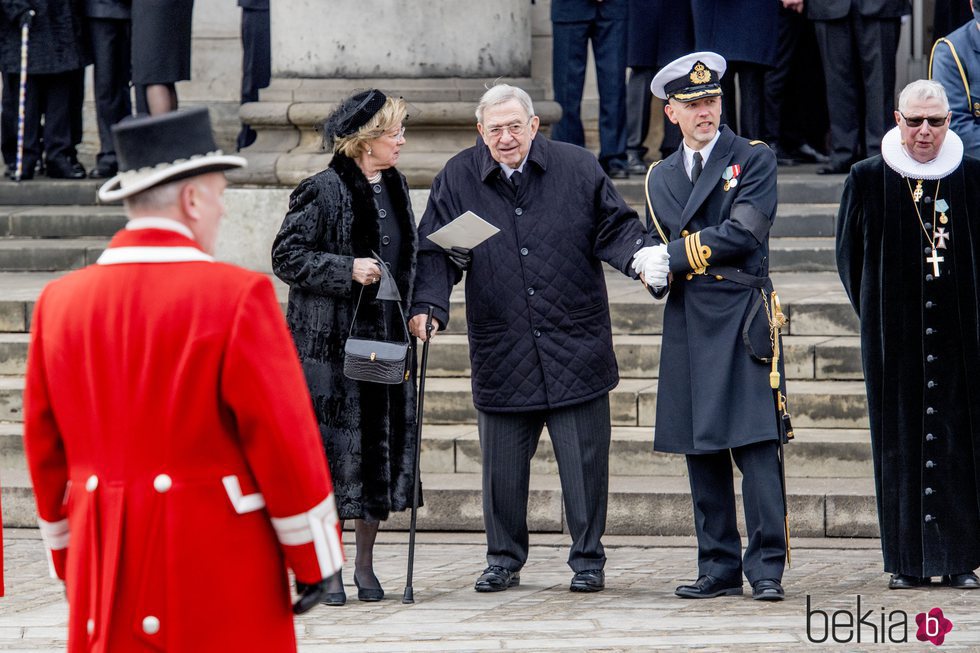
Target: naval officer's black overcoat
x=714 y=391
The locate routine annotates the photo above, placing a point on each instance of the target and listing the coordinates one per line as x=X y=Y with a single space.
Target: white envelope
x=466 y=231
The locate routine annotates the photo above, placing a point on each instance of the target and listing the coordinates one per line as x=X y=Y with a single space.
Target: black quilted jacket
x=536 y=307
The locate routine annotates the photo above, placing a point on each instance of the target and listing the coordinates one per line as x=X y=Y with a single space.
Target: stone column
x=439 y=55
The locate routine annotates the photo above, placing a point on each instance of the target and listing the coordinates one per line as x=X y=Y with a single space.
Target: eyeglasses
x=396 y=134
x=934 y=121
x=515 y=129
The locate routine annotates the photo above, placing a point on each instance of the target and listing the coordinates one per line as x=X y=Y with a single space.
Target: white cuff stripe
x=54 y=534
x=242 y=503
x=319 y=526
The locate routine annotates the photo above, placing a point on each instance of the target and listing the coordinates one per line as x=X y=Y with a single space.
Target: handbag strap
x=387 y=291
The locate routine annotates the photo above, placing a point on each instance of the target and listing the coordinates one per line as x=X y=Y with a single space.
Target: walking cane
x=22 y=99
x=409 y=595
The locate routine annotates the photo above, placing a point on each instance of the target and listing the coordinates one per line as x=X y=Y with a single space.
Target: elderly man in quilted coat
x=537 y=315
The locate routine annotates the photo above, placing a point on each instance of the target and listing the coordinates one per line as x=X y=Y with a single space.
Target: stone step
x=805 y=357
x=814 y=302
x=30 y=255
x=792 y=189
x=48 y=192
x=659 y=505
x=60 y=221
x=455 y=449
x=813 y=404
x=804 y=221
x=802 y=255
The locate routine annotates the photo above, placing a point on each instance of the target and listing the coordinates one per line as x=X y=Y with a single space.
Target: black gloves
x=460 y=257
x=309 y=595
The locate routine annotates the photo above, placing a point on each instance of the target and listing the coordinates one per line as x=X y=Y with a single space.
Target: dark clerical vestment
x=908 y=251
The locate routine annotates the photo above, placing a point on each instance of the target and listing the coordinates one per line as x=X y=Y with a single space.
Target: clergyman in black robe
x=908 y=249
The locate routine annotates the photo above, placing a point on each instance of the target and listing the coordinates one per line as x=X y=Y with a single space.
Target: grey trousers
x=580 y=435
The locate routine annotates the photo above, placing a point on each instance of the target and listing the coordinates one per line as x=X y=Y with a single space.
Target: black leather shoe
x=708 y=587
x=368 y=594
x=590 y=580
x=807 y=154
x=834 y=169
x=103 y=170
x=768 y=589
x=335 y=598
x=906 y=582
x=965 y=581
x=618 y=173
x=635 y=164
x=64 y=169
x=496 y=579
x=26 y=173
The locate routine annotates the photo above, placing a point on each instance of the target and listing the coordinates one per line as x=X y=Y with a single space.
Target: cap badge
x=700 y=74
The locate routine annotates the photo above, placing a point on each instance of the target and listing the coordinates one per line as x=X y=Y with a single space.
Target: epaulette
x=759 y=143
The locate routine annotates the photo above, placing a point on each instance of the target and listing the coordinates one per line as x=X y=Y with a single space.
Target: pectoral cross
x=917 y=193
x=935 y=259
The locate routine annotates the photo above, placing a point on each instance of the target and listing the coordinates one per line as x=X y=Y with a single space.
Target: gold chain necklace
x=933 y=257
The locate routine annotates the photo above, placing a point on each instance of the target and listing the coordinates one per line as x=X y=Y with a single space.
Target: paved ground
x=637 y=612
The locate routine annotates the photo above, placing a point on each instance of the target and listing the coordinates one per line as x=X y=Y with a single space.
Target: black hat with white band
x=154 y=150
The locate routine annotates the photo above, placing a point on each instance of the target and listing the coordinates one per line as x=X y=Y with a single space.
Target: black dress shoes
x=906 y=582
x=635 y=164
x=64 y=168
x=368 y=594
x=807 y=154
x=103 y=170
x=708 y=587
x=496 y=579
x=590 y=580
x=767 y=589
x=618 y=173
x=965 y=581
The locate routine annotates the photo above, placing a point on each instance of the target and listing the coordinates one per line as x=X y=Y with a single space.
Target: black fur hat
x=352 y=114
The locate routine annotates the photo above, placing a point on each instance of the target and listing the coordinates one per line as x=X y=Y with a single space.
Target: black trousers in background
x=51 y=96
x=256 y=62
x=638 y=97
x=580 y=436
x=858 y=56
x=751 y=91
x=111 y=54
x=713 y=492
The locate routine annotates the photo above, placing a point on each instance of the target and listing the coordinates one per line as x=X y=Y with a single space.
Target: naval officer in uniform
x=713 y=202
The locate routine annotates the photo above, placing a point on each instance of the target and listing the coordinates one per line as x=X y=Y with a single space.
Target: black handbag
x=378 y=361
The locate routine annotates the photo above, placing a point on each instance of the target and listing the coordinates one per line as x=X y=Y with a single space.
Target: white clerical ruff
x=949 y=158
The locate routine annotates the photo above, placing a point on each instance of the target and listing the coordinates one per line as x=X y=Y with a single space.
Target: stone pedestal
x=440 y=58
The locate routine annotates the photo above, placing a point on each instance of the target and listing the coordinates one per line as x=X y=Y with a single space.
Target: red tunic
x=171 y=440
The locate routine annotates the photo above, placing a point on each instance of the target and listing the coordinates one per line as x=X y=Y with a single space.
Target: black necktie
x=697 y=168
x=515 y=178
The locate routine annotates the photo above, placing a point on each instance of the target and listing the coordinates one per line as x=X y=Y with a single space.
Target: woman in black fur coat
x=336 y=218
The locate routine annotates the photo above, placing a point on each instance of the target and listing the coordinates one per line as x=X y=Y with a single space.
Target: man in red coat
x=174 y=453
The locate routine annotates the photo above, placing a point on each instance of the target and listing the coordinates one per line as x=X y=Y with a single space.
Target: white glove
x=647 y=253
x=655 y=272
